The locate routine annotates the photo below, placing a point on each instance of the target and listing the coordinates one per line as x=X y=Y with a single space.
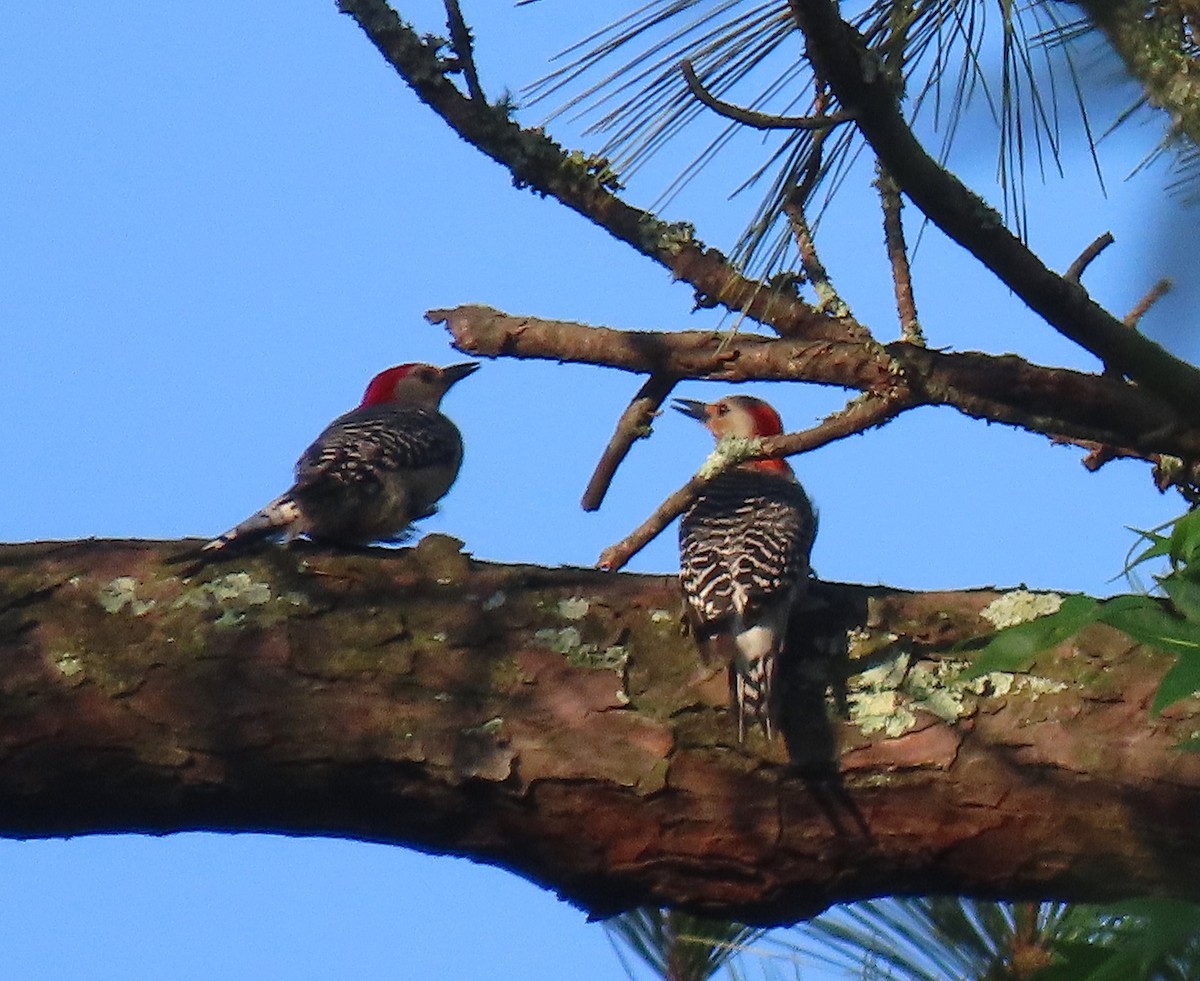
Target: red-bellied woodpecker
x=374 y=470
x=743 y=556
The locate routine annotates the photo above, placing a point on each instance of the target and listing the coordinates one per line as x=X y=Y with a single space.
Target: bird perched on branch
x=744 y=555
x=373 y=471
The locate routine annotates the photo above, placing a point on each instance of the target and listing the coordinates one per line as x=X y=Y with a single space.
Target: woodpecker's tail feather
x=280 y=513
x=751 y=654
x=752 y=682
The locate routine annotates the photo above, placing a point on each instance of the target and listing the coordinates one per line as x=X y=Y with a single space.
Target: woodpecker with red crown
x=373 y=471
x=744 y=557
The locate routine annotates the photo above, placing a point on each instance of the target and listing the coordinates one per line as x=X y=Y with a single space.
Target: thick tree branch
x=1056 y=402
x=864 y=88
x=553 y=722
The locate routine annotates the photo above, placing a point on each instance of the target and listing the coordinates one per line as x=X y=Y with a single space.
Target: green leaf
x=1148 y=622
x=1014 y=648
x=1184 y=593
x=1142 y=938
x=1185 y=539
x=1159 y=546
x=1178 y=683
x=1078 y=960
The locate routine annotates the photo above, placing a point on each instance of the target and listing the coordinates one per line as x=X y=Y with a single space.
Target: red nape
x=766 y=419
x=769 y=466
x=383 y=385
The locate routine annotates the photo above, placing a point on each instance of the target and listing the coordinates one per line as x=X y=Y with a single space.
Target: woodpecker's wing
x=367 y=442
x=744 y=542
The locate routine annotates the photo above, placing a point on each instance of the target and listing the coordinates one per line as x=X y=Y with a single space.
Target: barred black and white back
x=744 y=562
x=374 y=470
x=367 y=477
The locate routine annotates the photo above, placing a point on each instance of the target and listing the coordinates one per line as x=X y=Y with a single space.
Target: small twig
x=860 y=414
x=828 y=299
x=1075 y=270
x=634 y=424
x=460 y=41
x=893 y=237
x=753 y=119
x=1157 y=292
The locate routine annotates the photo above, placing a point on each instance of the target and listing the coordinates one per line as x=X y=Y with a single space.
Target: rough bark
x=1057 y=402
x=555 y=722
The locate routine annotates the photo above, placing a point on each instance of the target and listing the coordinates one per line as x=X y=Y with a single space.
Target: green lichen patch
x=569 y=642
x=120 y=594
x=236 y=595
x=864 y=642
x=1020 y=606
x=574 y=608
x=888 y=697
x=235 y=589
x=729 y=451
x=69 y=665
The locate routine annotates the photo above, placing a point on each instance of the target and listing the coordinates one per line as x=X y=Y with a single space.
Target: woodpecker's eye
x=722 y=409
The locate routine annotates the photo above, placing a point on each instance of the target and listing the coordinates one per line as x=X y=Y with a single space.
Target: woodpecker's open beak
x=692 y=409
x=457 y=372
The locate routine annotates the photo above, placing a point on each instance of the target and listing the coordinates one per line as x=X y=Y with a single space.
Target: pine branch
x=543 y=720
x=1056 y=402
x=864 y=88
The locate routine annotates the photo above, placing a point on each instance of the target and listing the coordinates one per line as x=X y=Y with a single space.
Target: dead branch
x=460 y=41
x=1155 y=293
x=633 y=425
x=1075 y=270
x=863 y=413
x=897 y=250
x=828 y=298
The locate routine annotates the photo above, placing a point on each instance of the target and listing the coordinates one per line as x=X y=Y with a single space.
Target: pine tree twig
x=897 y=250
x=828 y=299
x=753 y=118
x=860 y=414
x=1156 y=293
x=633 y=425
x=460 y=41
x=1075 y=270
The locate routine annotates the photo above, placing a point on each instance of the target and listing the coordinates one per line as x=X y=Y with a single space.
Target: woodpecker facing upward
x=743 y=556
x=373 y=471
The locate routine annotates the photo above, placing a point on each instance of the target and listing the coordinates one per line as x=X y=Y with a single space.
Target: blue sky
x=218 y=221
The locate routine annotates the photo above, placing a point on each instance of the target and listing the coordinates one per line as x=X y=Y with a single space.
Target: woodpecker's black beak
x=457 y=372
x=692 y=409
